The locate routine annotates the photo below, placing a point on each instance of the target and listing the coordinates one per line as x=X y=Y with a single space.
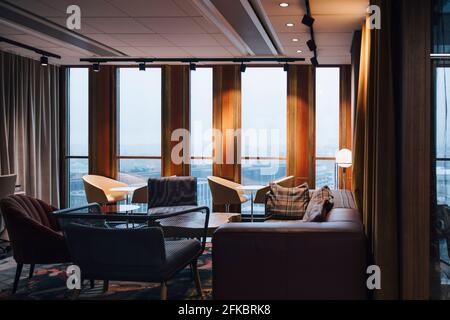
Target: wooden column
x=301 y=124
x=102 y=122
x=175 y=115
x=345 y=121
x=226 y=120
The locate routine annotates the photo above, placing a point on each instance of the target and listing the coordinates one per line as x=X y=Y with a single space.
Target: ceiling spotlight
x=142 y=66
x=192 y=66
x=96 y=67
x=299 y=51
x=295 y=40
x=286 y=67
x=243 y=67
x=284 y=5
x=308 y=20
x=44 y=61
x=314 y=62
x=311 y=45
x=290 y=24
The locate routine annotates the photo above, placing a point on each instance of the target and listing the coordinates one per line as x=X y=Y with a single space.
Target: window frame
x=118 y=156
x=65 y=196
x=257 y=158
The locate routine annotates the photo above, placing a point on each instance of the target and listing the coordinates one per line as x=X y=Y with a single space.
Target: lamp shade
x=344 y=158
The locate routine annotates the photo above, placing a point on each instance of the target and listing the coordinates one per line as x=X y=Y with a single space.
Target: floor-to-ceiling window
x=263 y=136
x=327 y=125
x=139 y=124
x=201 y=131
x=77 y=160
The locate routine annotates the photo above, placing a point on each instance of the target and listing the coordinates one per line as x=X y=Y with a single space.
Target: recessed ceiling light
x=295 y=40
x=284 y=4
x=299 y=51
x=290 y=24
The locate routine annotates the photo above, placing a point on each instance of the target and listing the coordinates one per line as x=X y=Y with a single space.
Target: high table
x=252 y=189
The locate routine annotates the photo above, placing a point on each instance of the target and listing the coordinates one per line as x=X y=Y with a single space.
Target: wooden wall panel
x=301 y=124
x=175 y=115
x=102 y=122
x=415 y=138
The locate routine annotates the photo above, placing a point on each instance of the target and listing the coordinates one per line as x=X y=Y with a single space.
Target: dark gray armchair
x=131 y=254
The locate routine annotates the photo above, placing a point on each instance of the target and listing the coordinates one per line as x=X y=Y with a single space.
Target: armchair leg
x=31 y=271
x=227 y=208
x=163 y=291
x=198 y=284
x=92 y=283
x=17 y=277
x=105 y=285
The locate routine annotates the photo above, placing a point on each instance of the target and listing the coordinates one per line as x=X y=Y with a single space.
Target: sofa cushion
x=320 y=204
x=287 y=203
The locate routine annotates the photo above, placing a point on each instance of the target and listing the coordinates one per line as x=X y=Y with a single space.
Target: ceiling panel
x=117 y=25
x=143 y=40
x=108 y=40
x=149 y=8
x=206 y=25
x=279 y=23
x=85 y=27
x=337 y=23
x=89 y=8
x=339 y=7
x=171 y=25
x=334 y=39
x=188 y=7
x=164 y=52
x=272 y=8
x=5 y=30
x=39 y=8
x=208 y=52
x=189 y=40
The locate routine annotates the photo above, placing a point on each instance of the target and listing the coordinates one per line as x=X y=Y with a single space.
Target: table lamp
x=344 y=160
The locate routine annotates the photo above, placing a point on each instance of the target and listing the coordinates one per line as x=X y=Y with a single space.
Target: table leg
x=251 y=205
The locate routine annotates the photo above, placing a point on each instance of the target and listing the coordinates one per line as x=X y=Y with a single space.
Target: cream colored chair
x=260 y=196
x=225 y=192
x=98 y=189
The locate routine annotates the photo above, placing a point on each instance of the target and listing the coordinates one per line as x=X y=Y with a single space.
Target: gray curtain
x=29 y=125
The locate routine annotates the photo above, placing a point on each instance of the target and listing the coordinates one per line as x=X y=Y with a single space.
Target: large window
x=327 y=125
x=201 y=131
x=77 y=134
x=139 y=109
x=264 y=105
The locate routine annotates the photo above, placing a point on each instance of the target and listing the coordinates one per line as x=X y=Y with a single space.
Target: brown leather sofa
x=291 y=260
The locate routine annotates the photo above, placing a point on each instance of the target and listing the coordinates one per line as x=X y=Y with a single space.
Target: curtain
x=345 y=121
x=374 y=170
x=175 y=115
x=301 y=124
x=29 y=125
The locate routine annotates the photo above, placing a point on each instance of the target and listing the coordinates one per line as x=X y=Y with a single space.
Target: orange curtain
x=374 y=170
x=345 y=121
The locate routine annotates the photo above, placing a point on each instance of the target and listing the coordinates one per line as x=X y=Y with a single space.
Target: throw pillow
x=320 y=204
x=287 y=203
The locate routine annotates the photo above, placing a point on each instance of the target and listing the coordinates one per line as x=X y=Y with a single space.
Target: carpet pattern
x=49 y=283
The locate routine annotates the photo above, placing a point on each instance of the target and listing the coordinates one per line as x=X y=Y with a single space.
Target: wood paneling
x=415 y=135
x=102 y=122
x=175 y=115
x=226 y=123
x=301 y=124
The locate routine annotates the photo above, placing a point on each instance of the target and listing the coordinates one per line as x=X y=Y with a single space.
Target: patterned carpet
x=49 y=283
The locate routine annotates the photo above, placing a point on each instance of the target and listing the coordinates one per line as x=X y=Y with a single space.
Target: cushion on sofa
x=320 y=204
x=287 y=203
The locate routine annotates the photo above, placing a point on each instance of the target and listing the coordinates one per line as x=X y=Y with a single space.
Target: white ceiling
x=176 y=28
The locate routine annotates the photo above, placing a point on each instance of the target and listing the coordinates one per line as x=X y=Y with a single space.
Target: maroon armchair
x=35 y=235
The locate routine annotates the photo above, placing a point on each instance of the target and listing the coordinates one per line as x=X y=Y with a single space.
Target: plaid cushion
x=287 y=203
x=320 y=204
